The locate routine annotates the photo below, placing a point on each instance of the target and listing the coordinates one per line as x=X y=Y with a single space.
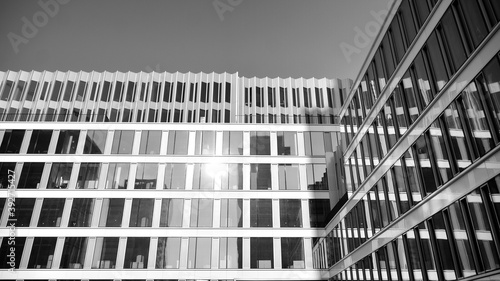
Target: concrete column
x=56 y=262
x=277 y=252
x=276 y=213
x=120 y=256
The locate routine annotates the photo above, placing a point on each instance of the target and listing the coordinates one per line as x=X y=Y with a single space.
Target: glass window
x=175 y=176
x=142 y=212
x=440 y=153
x=136 y=254
x=73 y=255
x=81 y=212
x=199 y=252
x=231 y=176
x=409 y=28
x=11 y=142
x=316 y=177
x=112 y=212
x=410 y=95
x=230 y=252
x=261 y=252
x=457 y=136
x=314 y=142
x=105 y=252
x=51 y=213
x=24 y=209
x=95 y=142
x=146 y=176
x=288 y=175
x=290 y=213
x=461 y=240
x=232 y=143
x=453 y=42
x=177 y=142
x=474 y=21
x=117 y=176
x=172 y=210
x=88 y=177
x=260 y=143
x=287 y=143
x=318 y=210
x=231 y=213
x=205 y=143
x=261 y=213
x=67 y=142
x=482 y=229
x=260 y=176
x=205 y=175
x=7 y=176
x=40 y=140
x=436 y=61
x=201 y=212
x=492 y=76
x=5 y=251
x=475 y=113
x=168 y=252
x=150 y=142
x=122 y=142
x=425 y=94
x=292 y=252
x=60 y=175
x=42 y=252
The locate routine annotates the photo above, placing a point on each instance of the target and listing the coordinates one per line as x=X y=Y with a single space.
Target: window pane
x=314 y=143
x=117 y=176
x=177 y=142
x=11 y=142
x=60 y=175
x=288 y=175
x=67 y=142
x=51 y=213
x=492 y=76
x=73 y=255
x=440 y=75
x=136 y=255
x=318 y=210
x=112 y=212
x=230 y=252
x=426 y=169
x=200 y=252
x=105 y=252
x=172 y=210
x=261 y=253
x=316 y=177
x=475 y=113
x=122 y=142
x=42 y=252
x=175 y=176
x=461 y=240
x=204 y=176
x=292 y=253
x=261 y=213
x=81 y=212
x=146 y=176
x=40 y=140
x=168 y=252
x=88 y=177
x=141 y=214
x=425 y=94
x=260 y=176
x=455 y=47
x=94 y=142
x=31 y=175
x=260 y=143
x=474 y=20
x=7 y=172
x=5 y=251
x=287 y=143
x=205 y=143
x=24 y=209
x=290 y=213
x=201 y=212
x=231 y=213
x=232 y=143
x=231 y=176
x=410 y=95
x=150 y=142
x=440 y=153
x=457 y=136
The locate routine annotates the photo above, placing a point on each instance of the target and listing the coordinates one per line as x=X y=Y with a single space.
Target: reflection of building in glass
x=185 y=176
x=421 y=164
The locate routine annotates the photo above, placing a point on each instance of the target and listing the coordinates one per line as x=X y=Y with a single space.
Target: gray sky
x=273 y=38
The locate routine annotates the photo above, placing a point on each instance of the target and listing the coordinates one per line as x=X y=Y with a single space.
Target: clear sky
x=262 y=38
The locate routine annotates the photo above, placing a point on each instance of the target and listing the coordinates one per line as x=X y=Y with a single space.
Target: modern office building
x=159 y=176
x=422 y=161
